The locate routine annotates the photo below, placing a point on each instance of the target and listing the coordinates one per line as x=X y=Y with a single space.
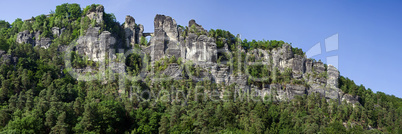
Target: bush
x=72 y=11
x=3 y=44
x=143 y=41
x=297 y=51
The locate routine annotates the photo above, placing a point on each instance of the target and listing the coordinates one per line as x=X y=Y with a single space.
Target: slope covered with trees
x=37 y=95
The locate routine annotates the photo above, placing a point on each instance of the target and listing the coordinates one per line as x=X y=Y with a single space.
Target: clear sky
x=369 y=31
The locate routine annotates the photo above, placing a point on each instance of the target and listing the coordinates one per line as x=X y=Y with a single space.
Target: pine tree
x=61 y=127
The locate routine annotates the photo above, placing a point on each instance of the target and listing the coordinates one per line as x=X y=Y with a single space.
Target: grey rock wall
x=96 y=46
x=169 y=40
x=33 y=38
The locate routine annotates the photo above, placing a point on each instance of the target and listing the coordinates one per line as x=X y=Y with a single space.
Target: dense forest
x=37 y=95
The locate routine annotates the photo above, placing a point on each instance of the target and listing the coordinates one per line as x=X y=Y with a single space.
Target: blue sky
x=369 y=31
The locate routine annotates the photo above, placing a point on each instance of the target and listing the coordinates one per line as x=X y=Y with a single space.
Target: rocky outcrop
x=57 y=31
x=165 y=41
x=197 y=46
x=130 y=29
x=95 y=46
x=192 y=45
x=140 y=31
x=333 y=76
x=174 y=71
x=7 y=58
x=33 y=38
x=349 y=98
x=25 y=37
x=43 y=42
x=96 y=14
x=220 y=73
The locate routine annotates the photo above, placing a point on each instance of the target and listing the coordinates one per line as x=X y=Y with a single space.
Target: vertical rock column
x=129 y=29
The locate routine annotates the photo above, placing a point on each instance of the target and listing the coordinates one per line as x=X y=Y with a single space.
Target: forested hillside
x=39 y=95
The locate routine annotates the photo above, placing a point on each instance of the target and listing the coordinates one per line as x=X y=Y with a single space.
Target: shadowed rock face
x=165 y=41
x=133 y=32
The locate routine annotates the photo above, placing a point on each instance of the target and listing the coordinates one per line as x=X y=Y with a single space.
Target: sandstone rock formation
x=57 y=31
x=96 y=14
x=27 y=37
x=96 y=46
x=193 y=45
x=130 y=31
x=197 y=47
x=165 y=41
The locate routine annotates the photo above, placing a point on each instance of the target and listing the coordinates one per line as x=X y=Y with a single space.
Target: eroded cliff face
x=33 y=38
x=165 y=41
x=133 y=32
x=195 y=47
x=97 y=47
x=96 y=14
x=201 y=50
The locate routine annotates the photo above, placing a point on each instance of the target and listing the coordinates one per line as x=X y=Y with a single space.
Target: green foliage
x=134 y=63
x=323 y=75
x=61 y=10
x=143 y=41
x=335 y=128
x=193 y=29
x=298 y=51
x=222 y=37
x=3 y=44
x=72 y=11
x=265 y=45
x=89 y=8
x=84 y=25
x=4 y=25
x=38 y=95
